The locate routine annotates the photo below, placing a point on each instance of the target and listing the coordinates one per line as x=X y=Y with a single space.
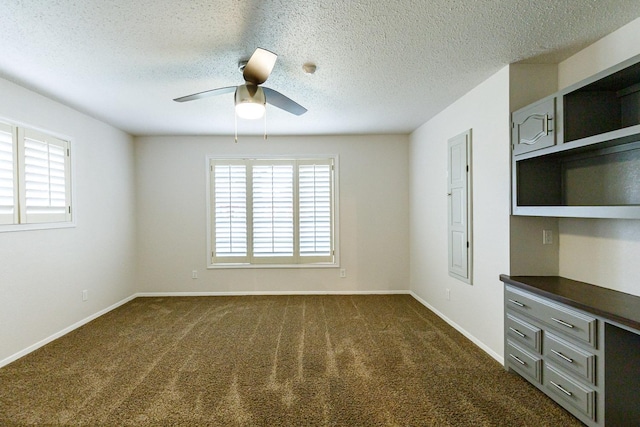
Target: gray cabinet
x=556 y=348
x=532 y=127
x=577 y=153
x=578 y=343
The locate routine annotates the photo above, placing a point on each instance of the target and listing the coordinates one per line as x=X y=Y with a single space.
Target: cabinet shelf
x=608 y=139
x=619 y=212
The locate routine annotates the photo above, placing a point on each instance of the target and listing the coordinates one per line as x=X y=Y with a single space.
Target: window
x=272 y=211
x=35 y=184
x=7 y=175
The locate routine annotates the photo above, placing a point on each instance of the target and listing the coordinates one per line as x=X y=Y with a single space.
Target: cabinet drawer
x=569 y=357
x=524 y=363
x=561 y=318
x=523 y=332
x=571 y=323
x=522 y=303
x=569 y=391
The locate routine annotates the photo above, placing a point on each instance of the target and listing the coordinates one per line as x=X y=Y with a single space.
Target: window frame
x=19 y=132
x=272 y=262
x=10 y=219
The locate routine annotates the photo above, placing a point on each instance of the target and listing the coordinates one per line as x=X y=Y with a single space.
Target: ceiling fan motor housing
x=250 y=93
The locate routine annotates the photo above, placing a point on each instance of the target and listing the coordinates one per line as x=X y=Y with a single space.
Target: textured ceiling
x=382 y=66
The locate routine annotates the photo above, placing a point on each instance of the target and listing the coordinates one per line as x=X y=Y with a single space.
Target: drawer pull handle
x=518 y=303
x=517 y=332
x=562 y=356
x=568 y=325
x=562 y=389
x=517 y=359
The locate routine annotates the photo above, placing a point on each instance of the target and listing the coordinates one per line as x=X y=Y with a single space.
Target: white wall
x=475 y=309
x=610 y=50
x=601 y=251
x=43 y=272
x=374 y=201
x=529 y=83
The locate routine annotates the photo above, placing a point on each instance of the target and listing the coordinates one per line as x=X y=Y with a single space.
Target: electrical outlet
x=85 y=295
x=343 y=273
x=547 y=237
x=194 y=274
x=448 y=294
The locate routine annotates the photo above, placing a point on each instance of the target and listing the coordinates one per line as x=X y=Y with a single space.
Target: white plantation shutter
x=315 y=211
x=272 y=211
x=273 y=225
x=44 y=177
x=229 y=183
x=8 y=211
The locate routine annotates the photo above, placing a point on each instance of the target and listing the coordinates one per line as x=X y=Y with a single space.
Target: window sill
x=271 y=266
x=6 y=228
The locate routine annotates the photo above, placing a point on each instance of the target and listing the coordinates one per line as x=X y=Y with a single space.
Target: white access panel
x=459 y=206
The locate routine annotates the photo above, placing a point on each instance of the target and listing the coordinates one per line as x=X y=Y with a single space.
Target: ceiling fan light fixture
x=250 y=102
x=249 y=110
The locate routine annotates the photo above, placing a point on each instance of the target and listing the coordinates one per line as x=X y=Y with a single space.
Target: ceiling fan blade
x=206 y=93
x=277 y=99
x=259 y=66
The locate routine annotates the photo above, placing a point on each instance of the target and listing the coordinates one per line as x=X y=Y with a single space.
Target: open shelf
x=595 y=183
x=608 y=104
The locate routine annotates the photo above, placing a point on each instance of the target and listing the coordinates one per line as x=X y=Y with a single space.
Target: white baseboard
x=459 y=328
x=65 y=331
x=249 y=293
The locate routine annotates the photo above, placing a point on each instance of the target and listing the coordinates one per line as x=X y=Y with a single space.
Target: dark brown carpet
x=269 y=361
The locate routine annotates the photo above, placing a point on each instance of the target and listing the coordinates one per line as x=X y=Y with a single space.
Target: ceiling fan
x=250 y=97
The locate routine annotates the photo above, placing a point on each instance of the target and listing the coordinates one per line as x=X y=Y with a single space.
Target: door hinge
x=467 y=245
x=69 y=209
x=68 y=152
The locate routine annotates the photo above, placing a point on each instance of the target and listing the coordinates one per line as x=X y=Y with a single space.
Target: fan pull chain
x=265 y=124
x=235 y=125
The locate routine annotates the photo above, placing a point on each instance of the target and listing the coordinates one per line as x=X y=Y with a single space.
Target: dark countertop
x=609 y=304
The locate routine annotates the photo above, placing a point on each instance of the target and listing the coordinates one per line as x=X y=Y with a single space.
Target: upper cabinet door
x=533 y=127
